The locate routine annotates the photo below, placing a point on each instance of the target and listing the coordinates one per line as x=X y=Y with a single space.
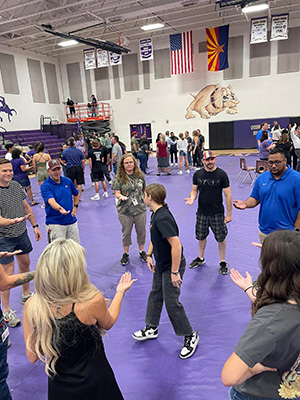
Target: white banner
x=89 y=59
x=146 y=49
x=115 y=59
x=102 y=58
x=279 y=28
x=259 y=30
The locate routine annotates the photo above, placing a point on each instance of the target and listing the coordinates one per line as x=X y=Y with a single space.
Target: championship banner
x=146 y=49
x=279 y=28
x=115 y=59
x=89 y=59
x=217 y=48
x=102 y=58
x=259 y=30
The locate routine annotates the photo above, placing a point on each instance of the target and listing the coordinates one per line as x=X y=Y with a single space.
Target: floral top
x=133 y=189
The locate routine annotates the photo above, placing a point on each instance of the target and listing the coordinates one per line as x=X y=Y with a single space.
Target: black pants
x=174 y=155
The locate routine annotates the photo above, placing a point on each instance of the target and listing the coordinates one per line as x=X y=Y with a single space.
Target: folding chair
x=243 y=167
x=261 y=167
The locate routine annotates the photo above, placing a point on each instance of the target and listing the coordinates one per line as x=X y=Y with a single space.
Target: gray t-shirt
x=11 y=206
x=117 y=150
x=272 y=338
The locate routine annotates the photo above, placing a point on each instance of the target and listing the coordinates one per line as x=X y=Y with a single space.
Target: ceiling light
x=68 y=43
x=152 y=26
x=255 y=8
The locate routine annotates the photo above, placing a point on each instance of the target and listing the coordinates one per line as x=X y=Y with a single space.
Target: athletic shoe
x=96 y=197
x=43 y=206
x=143 y=256
x=223 y=268
x=11 y=318
x=169 y=173
x=93 y=184
x=176 y=165
x=158 y=174
x=171 y=165
x=110 y=183
x=35 y=203
x=190 y=345
x=105 y=194
x=124 y=259
x=197 y=262
x=197 y=168
x=146 y=333
x=179 y=172
x=187 y=171
x=25 y=297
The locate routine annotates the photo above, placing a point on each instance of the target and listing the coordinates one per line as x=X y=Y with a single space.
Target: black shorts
x=21 y=242
x=98 y=175
x=215 y=222
x=76 y=173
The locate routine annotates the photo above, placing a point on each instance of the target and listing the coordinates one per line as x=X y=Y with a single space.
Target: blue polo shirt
x=279 y=200
x=73 y=157
x=62 y=193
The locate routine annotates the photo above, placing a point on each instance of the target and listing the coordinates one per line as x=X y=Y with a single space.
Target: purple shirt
x=263 y=152
x=16 y=164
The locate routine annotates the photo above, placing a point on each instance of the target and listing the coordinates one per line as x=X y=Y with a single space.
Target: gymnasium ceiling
x=21 y=20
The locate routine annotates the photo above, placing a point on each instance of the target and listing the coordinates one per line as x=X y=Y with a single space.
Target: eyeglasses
x=129 y=162
x=277 y=162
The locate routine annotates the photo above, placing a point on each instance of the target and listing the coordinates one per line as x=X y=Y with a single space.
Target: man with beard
x=211 y=182
x=278 y=193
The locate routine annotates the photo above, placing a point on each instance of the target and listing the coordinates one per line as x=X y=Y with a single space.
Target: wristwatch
x=35 y=226
x=175 y=273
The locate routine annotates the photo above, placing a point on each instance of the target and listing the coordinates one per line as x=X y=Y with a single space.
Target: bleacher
x=25 y=138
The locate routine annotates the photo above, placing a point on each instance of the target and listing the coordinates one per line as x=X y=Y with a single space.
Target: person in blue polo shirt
x=263 y=128
x=278 y=193
x=57 y=192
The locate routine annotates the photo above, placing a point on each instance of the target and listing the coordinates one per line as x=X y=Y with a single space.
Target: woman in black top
x=286 y=146
x=167 y=273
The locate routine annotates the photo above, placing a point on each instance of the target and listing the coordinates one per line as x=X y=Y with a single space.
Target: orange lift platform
x=85 y=112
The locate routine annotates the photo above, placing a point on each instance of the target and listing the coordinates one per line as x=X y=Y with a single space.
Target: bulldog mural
x=211 y=100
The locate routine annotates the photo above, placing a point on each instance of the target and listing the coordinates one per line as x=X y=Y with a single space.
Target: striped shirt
x=11 y=206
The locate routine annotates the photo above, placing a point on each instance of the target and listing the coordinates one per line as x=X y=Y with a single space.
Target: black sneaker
x=124 y=259
x=146 y=333
x=223 y=268
x=197 y=262
x=143 y=256
x=190 y=345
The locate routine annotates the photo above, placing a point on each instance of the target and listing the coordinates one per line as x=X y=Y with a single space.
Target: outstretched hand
x=239 y=280
x=239 y=204
x=21 y=219
x=125 y=282
x=7 y=254
x=189 y=201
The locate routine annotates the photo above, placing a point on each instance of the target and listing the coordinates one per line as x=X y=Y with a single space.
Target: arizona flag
x=217 y=48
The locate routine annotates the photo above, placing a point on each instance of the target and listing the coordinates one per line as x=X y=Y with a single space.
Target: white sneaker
x=105 y=194
x=145 y=333
x=187 y=171
x=171 y=164
x=96 y=197
x=179 y=173
x=93 y=184
x=110 y=183
x=190 y=345
x=176 y=165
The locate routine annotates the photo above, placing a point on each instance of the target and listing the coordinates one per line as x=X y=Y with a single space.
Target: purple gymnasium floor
x=217 y=308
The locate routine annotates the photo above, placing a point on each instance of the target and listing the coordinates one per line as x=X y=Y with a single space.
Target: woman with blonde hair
x=163 y=164
x=129 y=186
x=64 y=321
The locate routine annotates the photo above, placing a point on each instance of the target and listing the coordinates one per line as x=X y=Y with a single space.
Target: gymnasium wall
x=264 y=77
x=30 y=84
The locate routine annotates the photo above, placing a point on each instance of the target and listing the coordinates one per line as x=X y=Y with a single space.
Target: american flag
x=181 y=45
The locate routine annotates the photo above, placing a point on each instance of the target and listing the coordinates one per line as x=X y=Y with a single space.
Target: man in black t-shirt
x=211 y=182
x=96 y=161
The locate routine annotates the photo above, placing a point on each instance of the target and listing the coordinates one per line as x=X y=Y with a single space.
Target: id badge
x=134 y=201
x=4 y=335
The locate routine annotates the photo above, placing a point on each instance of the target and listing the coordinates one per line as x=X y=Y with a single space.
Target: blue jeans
x=164 y=291
x=4 y=390
x=143 y=161
x=189 y=157
x=115 y=168
x=234 y=395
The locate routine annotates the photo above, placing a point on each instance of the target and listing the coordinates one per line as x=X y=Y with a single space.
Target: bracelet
x=149 y=255
x=120 y=291
x=75 y=205
x=249 y=287
x=174 y=273
x=35 y=226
